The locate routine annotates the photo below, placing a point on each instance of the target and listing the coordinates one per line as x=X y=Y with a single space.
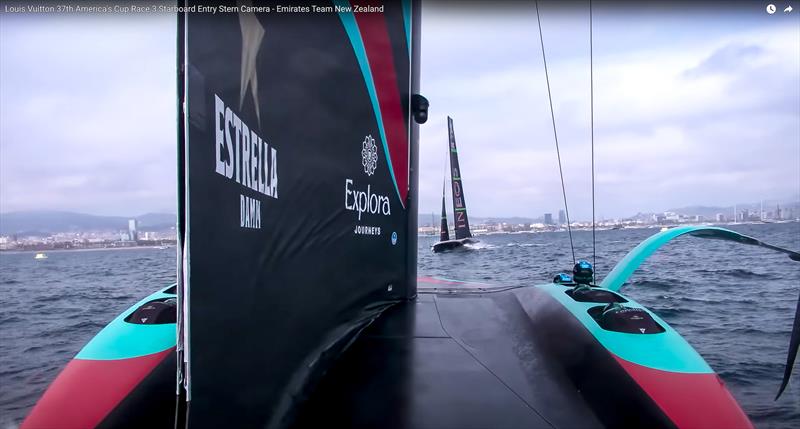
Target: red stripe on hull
x=434 y=280
x=375 y=35
x=86 y=391
x=437 y=281
x=689 y=400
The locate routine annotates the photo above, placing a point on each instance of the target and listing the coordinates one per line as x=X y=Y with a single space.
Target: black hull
x=505 y=358
x=449 y=245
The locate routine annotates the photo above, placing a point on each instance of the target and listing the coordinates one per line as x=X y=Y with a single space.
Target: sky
x=693 y=105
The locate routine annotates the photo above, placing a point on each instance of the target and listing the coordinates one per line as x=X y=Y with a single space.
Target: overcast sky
x=693 y=105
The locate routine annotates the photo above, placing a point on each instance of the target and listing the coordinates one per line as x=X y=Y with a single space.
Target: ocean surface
x=733 y=303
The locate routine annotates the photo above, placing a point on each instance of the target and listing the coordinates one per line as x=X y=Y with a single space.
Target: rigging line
x=591 y=110
x=555 y=134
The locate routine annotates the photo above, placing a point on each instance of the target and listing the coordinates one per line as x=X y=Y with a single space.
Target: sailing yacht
x=462 y=233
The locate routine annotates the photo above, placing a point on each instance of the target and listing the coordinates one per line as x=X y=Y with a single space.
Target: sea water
x=733 y=303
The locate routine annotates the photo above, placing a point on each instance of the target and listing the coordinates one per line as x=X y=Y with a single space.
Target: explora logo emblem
x=369 y=155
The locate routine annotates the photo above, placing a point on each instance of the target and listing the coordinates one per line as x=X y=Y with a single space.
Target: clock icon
x=770 y=9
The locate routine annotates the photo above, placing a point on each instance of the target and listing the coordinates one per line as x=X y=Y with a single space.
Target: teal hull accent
x=666 y=351
x=624 y=268
x=123 y=340
x=351 y=27
x=406 y=4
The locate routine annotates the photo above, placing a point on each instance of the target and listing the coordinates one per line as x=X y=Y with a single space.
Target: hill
x=48 y=222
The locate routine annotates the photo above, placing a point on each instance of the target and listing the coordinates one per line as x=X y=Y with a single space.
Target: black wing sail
x=459 y=204
x=444 y=234
x=263 y=263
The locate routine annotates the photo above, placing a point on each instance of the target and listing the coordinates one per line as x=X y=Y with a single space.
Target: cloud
x=726 y=59
x=678 y=120
x=690 y=108
x=88 y=114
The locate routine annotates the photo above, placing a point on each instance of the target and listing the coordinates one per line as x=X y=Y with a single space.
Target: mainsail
x=444 y=234
x=276 y=284
x=459 y=205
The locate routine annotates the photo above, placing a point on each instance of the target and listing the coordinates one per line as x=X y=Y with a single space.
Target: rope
x=555 y=134
x=591 y=109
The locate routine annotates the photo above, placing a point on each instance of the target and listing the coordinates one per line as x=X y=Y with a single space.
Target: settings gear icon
x=369 y=155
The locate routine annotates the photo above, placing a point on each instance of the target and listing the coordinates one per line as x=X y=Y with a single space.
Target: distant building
x=548 y=218
x=699 y=218
x=562 y=217
x=133 y=235
x=720 y=217
x=744 y=215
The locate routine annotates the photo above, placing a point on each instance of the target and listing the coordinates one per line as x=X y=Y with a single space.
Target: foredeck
x=448 y=360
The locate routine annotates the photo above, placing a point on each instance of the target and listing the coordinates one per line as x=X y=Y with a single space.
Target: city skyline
x=164 y=235
x=558 y=214
x=728 y=211
x=556 y=211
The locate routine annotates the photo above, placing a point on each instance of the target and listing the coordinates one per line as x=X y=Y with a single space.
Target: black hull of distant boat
x=450 y=245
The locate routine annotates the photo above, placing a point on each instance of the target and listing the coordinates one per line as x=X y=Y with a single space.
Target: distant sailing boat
x=461 y=222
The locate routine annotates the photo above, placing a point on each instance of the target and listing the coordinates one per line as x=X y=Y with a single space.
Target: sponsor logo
x=367 y=230
x=241 y=155
x=458 y=201
x=394 y=238
x=365 y=200
x=369 y=155
x=244 y=157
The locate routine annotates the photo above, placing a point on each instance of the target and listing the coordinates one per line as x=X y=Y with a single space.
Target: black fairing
x=625 y=319
x=594 y=295
x=156 y=312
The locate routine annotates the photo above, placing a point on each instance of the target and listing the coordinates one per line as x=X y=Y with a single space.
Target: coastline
x=82 y=249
